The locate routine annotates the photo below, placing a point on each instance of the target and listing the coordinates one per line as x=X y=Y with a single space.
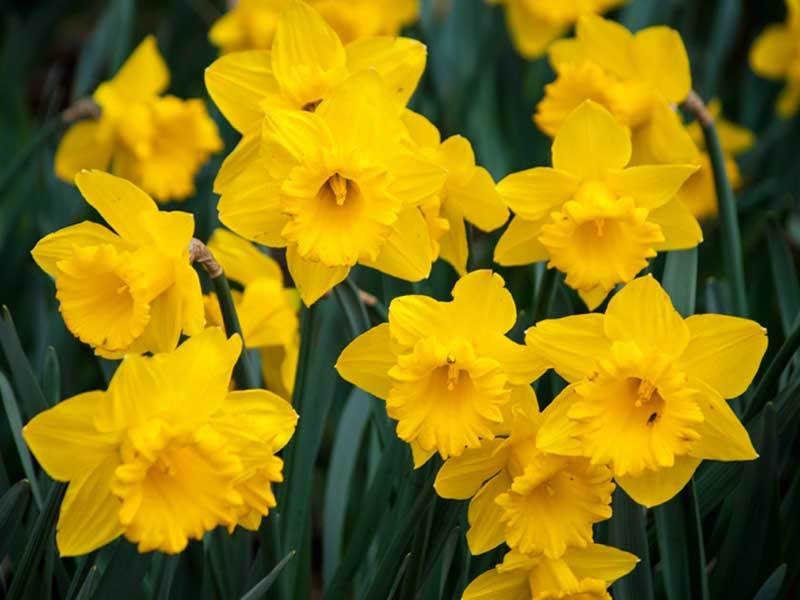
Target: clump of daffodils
x=129 y=288
x=167 y=453
x=156 y=142
x=592 y=215
x=251 y=24
x=266 y=309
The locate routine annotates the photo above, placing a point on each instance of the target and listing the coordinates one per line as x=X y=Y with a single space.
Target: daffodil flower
x=638 y=77
x=267 y=310
x=648 y=388
x=592 y=216
x=535 y=24
x=534 y=501
x=166 y=454
x=127 y=290
x=433 y=360
x=776 y=55
x=580 y=574
x=157 y=142
x=468 y=193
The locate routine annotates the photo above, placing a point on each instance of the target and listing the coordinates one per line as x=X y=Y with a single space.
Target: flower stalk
x=243 y=373
x=732 y=244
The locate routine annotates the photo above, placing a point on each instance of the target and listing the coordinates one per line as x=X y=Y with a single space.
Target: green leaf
x=51 y=377
x=12 y=508
x=627 y=531
x=41 y=538
x=263 y=586
x=87 y=589
x=681 y=546
x=680 y=279
x=15 y=424
x=765 y=390
x=344 y=457
x=25 y=382
x=399 y=577
x=243 y=373
x=122 y=571
x=751 y=549
x=772 y=586
x=784 y=275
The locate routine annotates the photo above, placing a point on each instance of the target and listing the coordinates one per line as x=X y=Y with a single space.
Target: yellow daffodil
x=356 y=19
x=166 y=454
x=776 y=55
x=638 y=77
x=699 y=193
x=581 y=574
x=251 y=24
x=127 y=290
x=301 y=66
x=591 y=216
x=433 y=360
x=647 y=389
x=157 y=142
x=534 y=501
x=468 y=192
x=267 y=311
x=535 y=24
x=336 y=187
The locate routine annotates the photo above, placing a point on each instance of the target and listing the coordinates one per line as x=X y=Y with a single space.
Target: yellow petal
x=312 y=279
x=246 y=152
x=590 y=141
x=307 y=57
x=789 y=99
x=399 y=61
x=60 y=244
x=534 y=193
x=366 y=361
x=420 y=456
x=521 y=364
x=89 y=516
x=415 y=178
x=412 y=318
x=492 y=584
x=242 y=261
x=251 y=207
x=119 y=202
x=144 y=74
x=294 y=135
x=422 y=131
x=163 y=330
x=64 y=440
x=773 y=51
x=642 y=312
x=724 y=352
x=652 y=488
x=486 y=528
x=609 y=44
x=267 y=415
x=661 y=59
x=83 y=147
x=531 y=34
x=650 y=186
x=594 y=297
x=462 y=476
x=734 y=138
x=663 y=139
x=238 y=84
x=481 y=300
x=558 y=434
x=478 y=199
x=722 y=435
x=519 y=244
x=573 y=345
x=678 y=225
x=453 y=245
x=407 y=253
x=597 y=561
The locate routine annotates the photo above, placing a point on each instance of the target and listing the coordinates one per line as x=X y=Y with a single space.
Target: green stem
x=243 y=373
x=544 y=295
x=766 y=386
x=729 y=220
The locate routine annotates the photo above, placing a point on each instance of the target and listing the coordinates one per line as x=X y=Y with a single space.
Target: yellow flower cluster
x=644 y=405
x=334 y=168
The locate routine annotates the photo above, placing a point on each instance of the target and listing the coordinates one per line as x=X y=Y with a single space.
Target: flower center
x=600 y=240
x=446 y=398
